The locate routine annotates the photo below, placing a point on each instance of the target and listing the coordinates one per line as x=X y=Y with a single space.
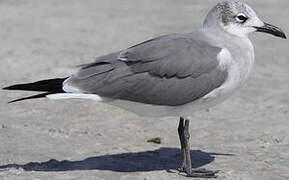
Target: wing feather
x=170 y=70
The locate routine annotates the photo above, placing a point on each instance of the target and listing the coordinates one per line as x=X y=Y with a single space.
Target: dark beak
x=268 y=28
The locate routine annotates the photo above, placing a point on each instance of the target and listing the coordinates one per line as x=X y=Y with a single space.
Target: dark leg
x=182 y=141
x=186 y=166
x=188 y=163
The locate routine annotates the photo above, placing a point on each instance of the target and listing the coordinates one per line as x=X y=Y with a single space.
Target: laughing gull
x=171 y=75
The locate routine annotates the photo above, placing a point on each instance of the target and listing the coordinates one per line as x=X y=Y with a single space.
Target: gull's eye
x=241 y=18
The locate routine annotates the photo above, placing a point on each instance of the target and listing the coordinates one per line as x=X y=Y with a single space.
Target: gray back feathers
x=169 y=70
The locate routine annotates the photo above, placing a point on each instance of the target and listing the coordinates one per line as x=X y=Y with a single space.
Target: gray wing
x=169 y=70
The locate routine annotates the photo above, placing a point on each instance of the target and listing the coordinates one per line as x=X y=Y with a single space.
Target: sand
x=247 y=137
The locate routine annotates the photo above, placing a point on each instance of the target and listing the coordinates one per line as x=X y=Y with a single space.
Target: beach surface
x=246 y=137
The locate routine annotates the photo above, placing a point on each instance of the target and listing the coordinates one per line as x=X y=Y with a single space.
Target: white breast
x=239 y=66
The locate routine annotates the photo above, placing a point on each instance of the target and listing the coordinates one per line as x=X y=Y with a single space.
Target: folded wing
x=169 y=70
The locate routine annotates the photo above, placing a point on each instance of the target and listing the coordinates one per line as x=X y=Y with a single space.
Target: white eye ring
x=241 y=18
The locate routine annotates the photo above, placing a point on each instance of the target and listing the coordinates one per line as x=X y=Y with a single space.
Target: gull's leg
x=186 y=155
x=182 y=141
x=188 y=163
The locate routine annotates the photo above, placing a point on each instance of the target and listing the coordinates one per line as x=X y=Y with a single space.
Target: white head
x=237 y=18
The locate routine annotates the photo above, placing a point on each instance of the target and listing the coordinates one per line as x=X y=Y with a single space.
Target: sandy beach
x=246 y=137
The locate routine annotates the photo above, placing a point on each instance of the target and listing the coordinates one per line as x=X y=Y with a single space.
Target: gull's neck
x=222 y=38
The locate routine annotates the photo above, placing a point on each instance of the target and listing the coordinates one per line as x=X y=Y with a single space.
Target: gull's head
x=237 y=18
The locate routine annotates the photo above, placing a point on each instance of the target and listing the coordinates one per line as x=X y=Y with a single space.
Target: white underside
x=149 y=110
x=74 y=96
x=141 y=109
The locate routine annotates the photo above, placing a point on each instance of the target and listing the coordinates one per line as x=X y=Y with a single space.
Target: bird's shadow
x=160 y=159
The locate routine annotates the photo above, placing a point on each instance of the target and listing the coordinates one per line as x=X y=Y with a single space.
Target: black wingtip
x=14 y=87
x=6 y=88
x=10 y=102
x=32 y=97
x=47 y=85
